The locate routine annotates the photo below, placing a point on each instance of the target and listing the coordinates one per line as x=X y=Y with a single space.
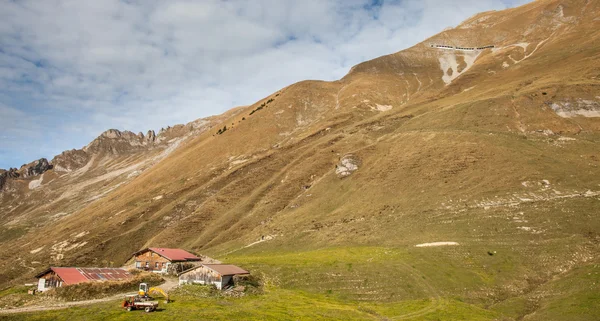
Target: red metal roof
x=226 y=269
x=175 y=254
x=72 y=275
x=69 y=275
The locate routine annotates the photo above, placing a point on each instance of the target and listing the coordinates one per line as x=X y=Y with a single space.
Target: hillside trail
x=169 y=284
x=435 y=297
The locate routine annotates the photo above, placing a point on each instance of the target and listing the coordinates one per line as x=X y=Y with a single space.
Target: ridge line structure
x=446 y=47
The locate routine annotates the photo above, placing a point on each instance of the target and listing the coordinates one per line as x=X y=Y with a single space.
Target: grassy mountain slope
x=497 y=150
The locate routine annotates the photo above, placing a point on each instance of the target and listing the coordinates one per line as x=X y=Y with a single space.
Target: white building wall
x=42 y=285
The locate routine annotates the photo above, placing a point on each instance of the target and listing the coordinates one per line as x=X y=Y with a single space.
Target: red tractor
x=134 y=302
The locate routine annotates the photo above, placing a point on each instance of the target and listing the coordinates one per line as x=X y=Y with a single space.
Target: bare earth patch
x=436 y=244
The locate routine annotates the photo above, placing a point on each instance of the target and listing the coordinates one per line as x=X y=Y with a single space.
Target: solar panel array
x=102 y=274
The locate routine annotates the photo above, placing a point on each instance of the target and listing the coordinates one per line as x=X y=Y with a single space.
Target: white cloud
x=74 y=68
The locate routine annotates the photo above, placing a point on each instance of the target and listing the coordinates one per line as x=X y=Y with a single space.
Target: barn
x=161 y=260
x=220 y=275
x=55 y=277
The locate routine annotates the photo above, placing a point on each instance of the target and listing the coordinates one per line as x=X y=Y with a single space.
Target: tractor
x=134 y=302
x=144 y=292
x=142 y=300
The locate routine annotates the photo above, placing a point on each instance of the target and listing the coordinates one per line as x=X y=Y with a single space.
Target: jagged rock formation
x=116 y=142
x=32 y=169
x=6 y=175
x=70 y=160
x=35 y=168
x=111 y=144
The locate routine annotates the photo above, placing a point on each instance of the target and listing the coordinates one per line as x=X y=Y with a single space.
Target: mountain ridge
x=495 y=150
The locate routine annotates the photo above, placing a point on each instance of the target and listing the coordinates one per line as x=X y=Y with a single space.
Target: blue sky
x=70 y=70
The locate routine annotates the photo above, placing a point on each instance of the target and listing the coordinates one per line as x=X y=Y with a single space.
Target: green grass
x=17 y=296
x=371 y=283
x=14 y=290
x=574 y=296
x=275 y=304
x=344 y=283
x=355 y=273
x=8 y=233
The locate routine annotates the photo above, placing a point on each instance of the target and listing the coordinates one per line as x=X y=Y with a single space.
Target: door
x=41 y=285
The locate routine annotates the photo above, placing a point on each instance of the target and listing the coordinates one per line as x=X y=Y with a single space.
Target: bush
x=243 y=285
x=221 y=131
x=196 y=291
x=95 y=290
x=135 y=271
x=249 y=284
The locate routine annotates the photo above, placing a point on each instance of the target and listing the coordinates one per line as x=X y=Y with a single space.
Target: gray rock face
x=5 y=175
x=35 y=168
x=70 y=160
x=347 y=165
x=118 y=142
x=110 y=143
x=111 y=134
x=568 y=108
x=150 y=137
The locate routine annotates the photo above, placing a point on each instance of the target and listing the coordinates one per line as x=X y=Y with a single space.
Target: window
x=147 y=264
x=156 y=265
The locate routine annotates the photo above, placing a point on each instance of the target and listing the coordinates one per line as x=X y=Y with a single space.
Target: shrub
x=250 y=283
x=222 y=130
x=94 y=290
x=196 y=291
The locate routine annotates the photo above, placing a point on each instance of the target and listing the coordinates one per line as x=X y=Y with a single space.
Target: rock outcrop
x=110 y=143
x=5 y=175
x=116 y=142
x=70 y=160
x=348 y=164
x=35 y=168
x=32 y=169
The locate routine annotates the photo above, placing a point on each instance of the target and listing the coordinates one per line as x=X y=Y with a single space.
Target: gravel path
x=167 y=286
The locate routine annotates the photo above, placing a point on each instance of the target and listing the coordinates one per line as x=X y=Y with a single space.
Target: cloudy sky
x=70 y=69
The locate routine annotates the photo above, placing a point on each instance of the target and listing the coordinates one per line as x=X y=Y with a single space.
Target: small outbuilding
x=161 y=260
x=55 y=277
x=220 y=275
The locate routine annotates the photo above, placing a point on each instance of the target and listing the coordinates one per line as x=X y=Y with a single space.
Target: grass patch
x=11 y=233
x=16 y=297
x=275 y=304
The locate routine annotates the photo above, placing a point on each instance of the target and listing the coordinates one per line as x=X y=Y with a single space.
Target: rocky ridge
x=426 y=146
x=111 y=143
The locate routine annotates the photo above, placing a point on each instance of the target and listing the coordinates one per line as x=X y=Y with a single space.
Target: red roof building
x=160 y=260
x=58 y=276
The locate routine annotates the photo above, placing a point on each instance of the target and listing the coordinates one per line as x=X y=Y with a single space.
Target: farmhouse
x=220 y=275
x=55 y=277
x=162 y=260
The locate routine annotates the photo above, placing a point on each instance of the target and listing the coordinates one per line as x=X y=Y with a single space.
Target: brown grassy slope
x=449 y=162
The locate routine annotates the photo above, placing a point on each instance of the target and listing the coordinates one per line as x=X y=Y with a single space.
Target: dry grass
x=467 y=163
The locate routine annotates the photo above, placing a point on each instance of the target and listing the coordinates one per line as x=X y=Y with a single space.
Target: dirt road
x=167 y=286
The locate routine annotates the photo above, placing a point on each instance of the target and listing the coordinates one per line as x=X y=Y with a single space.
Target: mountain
x=493 y=145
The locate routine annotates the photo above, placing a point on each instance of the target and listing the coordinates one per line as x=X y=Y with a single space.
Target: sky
x=71 y=69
